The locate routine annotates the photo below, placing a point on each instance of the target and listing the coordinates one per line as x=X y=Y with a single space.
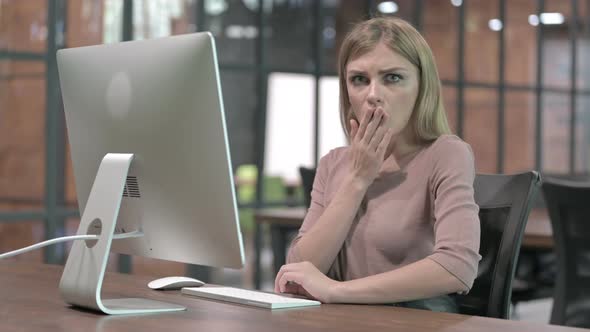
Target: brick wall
x=22 y=109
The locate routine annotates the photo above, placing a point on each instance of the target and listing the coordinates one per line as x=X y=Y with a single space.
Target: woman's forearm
x=420 y=280
x=320 y=244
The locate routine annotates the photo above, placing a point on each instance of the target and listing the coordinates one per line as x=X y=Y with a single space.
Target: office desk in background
x=537 y=235
x=30 y=301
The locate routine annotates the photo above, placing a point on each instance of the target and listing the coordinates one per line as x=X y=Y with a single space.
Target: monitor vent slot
x=131 y=187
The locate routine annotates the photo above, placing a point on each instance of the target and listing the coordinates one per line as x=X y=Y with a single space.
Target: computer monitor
x=149 y=147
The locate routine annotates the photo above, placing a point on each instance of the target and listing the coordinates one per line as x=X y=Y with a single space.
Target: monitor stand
x=83 y=274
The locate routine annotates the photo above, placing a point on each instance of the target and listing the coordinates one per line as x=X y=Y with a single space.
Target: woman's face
x=383 y=79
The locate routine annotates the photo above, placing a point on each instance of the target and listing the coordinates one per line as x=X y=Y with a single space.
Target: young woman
x=392 y=217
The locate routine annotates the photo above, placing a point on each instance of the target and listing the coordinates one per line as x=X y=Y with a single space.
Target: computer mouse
x=169 y=283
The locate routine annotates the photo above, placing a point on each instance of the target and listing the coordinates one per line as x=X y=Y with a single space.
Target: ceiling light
x=387 y=7
x=552 y=18
x=215 y=7
x=547 y=19
x=495 y=24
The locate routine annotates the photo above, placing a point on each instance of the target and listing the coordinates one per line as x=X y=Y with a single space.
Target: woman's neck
x=404 y=145
x=399 y=151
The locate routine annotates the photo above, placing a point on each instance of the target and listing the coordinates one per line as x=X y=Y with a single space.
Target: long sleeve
x=456 y=221
x=316 y=207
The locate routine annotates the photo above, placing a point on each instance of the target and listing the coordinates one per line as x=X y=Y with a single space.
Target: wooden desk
x=537 y=235
x=31 y=302
x=290 y=217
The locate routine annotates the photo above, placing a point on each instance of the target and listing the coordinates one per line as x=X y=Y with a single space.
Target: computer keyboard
x=248 y=297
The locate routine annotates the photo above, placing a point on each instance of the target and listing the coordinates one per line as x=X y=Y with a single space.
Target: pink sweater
x=424 y=210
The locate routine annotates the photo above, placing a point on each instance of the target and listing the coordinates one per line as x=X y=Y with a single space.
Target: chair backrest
x=504 y=204
x=307 y=177
x=568 y=203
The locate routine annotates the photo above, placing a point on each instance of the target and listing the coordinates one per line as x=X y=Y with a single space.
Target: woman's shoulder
x=333 y=162
x=450 y=151
x=335 y=156
x=448 y=146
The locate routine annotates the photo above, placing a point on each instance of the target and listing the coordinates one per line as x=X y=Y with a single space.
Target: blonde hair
x=428 y=119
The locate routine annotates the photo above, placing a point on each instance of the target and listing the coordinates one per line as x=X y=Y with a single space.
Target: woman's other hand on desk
x=305 y=279
x=369 y=143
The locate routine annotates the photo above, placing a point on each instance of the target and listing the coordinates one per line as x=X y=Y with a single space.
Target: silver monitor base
x=83 y=274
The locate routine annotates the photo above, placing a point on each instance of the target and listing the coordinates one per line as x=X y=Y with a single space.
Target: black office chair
x=504 y=202
x=568 y=203
x=307 y=177
x=536 y=271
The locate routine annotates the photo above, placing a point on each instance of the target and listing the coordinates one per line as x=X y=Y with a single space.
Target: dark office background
x=516 y=83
